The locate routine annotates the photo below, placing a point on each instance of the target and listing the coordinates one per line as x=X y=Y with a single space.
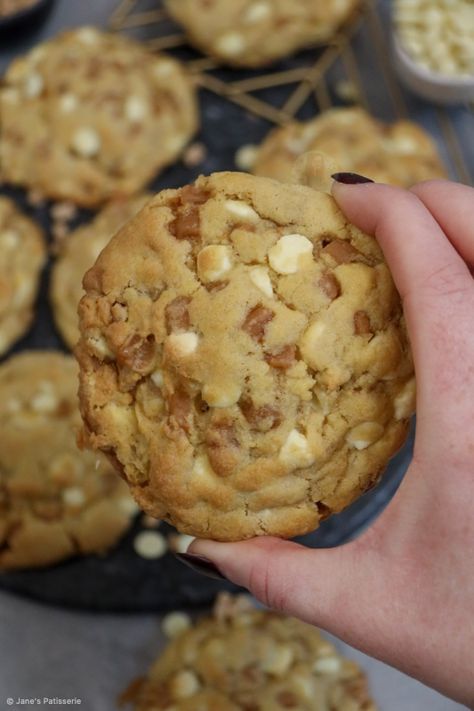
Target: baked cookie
x=55 y=500
x=244 y=356
x=78 y=253
x=401 y=153
x=253 y=33
x=251 y=660
x=22 y=256
x=88 y=116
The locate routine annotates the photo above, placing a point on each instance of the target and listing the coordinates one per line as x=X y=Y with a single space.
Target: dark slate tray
x=122 y=581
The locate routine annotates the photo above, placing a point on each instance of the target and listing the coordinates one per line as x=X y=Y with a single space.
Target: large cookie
x=243 y=355
x=78 y=253
x=251 y=660
x=401 y=153
x=253 y=33
x=22 y=255
x=55 y=500
x=88 y=116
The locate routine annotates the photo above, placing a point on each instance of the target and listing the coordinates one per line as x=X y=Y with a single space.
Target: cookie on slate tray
x=88 y=116
x=244 y=357
x=254 y=33
x=22 y=256
x=78 y=253
x=243 y=659
x=55 y=500
x=401 y=153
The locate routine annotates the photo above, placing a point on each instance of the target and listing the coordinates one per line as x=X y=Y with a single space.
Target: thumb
x=311 y=584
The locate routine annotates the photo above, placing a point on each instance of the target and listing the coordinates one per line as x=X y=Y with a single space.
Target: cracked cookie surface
x=55 y=500
x=22 y=256
x=253 y=33
x=244 y=358
x=251 y=660
x=78 y=253
x=88 y=116
x=401 y=153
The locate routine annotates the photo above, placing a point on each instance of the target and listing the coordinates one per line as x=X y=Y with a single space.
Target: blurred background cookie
x=55 y=500
x=243 y=353
x=250 y=660
x=88 y=116
x=253 y=33
x=401 y=153
x=78 y=253
x=22 y=256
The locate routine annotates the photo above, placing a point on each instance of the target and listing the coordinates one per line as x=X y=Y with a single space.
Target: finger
x=433 y=280
x=452 y=206
x=310 y=584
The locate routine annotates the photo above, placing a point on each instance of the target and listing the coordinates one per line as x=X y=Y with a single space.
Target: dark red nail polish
x=201 y=565
x=350 y=178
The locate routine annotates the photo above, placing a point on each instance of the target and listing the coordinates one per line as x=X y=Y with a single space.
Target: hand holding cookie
x=373 y=592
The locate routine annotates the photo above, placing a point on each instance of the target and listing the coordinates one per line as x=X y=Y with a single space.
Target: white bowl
x=439 y=88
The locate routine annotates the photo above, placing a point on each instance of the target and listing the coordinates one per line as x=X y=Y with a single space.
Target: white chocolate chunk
x=9 y=239
x=73 y=496
x=163 y=68
x=175 y=623
x=68 y=103
x=257 y=12
x=221 y=396
x=365 y=434
x=87 y=35
x=86 y=142
x=327 y=665
x=404 y=403
x=33 y=85
x=296 y=451
x=99 y=347
x=240 y=209
x=245 y=156
x=260 y=277
x=45 y=400
x=278 y=661
x=287 y=254
x=182 y=344
x=202 y=467
x=184 y=684
x=157 y=377
x=150 y=544
x=135 y=109
x=214 y=262
x=231 y=44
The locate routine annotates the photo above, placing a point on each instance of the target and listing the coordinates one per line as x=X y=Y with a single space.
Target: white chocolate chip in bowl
x=217 y=395
x=363 y=435
x=240 y=209
x=288 y=255
x=404 y=403
x=184 y=684
x=231 y=44
x=150 y=545
x=182 y=344
x=87 y=35
x=86 y=142
x=214 y=262
x=260 y=277
x=33 y=85
x=296 y=451
x=175 y=623
x=327 y=665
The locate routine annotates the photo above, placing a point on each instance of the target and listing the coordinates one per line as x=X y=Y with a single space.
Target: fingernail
x=350 y=178
x=201 y=565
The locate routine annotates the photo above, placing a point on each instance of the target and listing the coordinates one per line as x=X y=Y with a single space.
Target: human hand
x=403 y=591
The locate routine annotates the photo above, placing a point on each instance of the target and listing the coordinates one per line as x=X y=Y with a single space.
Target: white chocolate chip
x=86 y=142
x=221 y=396
x=175 y=623
x=9 y=239
x=365 y=434
x=214 y=262
x=127 y=505
x=286 y=255
x=240 y=209
x=260 y=277
x=257 y=12
x=327 y=665
x=87 y=35
x=150 y=544
x=202 y=467
x=296 y=451
x=33 y=85
x=278 y=660
x=184 y=684
x=157 y=378
x=182 y=344
x=73 y=496
x=163 y=68
x=45 y=400
x=99 y=347
x=231 y=44
x=245 y=157
x=68 y=103
x=135 y=109
x=404 y=403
